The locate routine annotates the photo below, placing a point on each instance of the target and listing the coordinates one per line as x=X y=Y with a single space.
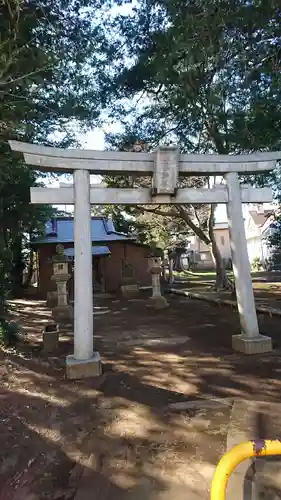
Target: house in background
x=110 y=251
x=200 y=252
x=258 y=227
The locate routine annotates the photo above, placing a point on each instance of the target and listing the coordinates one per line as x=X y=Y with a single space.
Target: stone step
x=268 y=470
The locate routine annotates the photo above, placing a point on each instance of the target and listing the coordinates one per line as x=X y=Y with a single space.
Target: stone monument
x=157 y=300
x=51 y=338
x=129 y=287
x=62 y=312
x=52 y=299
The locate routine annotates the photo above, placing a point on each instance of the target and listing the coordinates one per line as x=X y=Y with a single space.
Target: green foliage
x=50 y=51
x=155 y=251
x=46 y=48
x=9 y=332
x=158 y=229
x=203 y=74
x=276 y=257
x=274 y=241
x=256 y=264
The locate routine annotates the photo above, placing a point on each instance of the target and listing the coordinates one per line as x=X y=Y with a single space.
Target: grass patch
x=273 y=286
x=194 y=274
x=201 y=275
x=9 y=332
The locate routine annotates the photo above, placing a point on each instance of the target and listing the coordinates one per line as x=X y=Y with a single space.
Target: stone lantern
x=62 y=311
x=157 y=299
x=129 y=287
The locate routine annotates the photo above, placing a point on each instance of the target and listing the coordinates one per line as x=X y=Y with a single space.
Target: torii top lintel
x=115 y=162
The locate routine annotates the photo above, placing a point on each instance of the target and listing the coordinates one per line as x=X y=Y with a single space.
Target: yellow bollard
x=240 y=452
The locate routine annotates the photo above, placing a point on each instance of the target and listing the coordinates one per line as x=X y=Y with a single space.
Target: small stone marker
x=129 y=287
x=52 y=299
x=51 y=338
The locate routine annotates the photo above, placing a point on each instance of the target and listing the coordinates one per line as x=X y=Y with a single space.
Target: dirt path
x=118 y=433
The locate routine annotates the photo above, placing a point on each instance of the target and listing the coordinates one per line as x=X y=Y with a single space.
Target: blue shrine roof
x=61 y=230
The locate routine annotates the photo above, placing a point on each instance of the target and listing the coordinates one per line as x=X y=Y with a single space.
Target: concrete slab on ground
x=254 y=479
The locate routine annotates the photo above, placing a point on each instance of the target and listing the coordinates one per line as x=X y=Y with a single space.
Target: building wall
x=203 y=256
x=136 y=255
x=111 y=266
x=254 y=247
x=223 y=242
x=258 y=249
x=266 y=251
x=254 y=240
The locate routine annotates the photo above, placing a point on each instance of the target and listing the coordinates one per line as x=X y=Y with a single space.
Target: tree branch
x=197 y=230
x=156 y=211
x=210 y=222
x=27 y=75
x=196 y=216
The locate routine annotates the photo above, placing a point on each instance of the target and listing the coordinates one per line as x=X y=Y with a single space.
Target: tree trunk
x=222 y=280
x=30 y=269
x=171 y=270
x=17 y=267
x=5 y=266
x=178 y=265
x=3 y=262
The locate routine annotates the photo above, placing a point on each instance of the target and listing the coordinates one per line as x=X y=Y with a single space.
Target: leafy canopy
x=51 y=52
x=203 y=74
x=207 y=73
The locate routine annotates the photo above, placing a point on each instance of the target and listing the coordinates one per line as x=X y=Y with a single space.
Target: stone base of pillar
x=255 y=345
x=130 y=291
x=86 y=368
x=62 y=313
x=158 y=302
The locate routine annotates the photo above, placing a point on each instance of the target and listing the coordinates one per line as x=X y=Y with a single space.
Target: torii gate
x=164 y=166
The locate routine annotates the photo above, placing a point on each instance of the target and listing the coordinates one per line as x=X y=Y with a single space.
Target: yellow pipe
x=256 y=448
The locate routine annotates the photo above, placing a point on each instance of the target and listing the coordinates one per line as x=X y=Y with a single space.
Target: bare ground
x=118 y=432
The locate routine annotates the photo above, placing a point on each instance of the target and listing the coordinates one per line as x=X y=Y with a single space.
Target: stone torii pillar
x=84 y=362
x=249 y=341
